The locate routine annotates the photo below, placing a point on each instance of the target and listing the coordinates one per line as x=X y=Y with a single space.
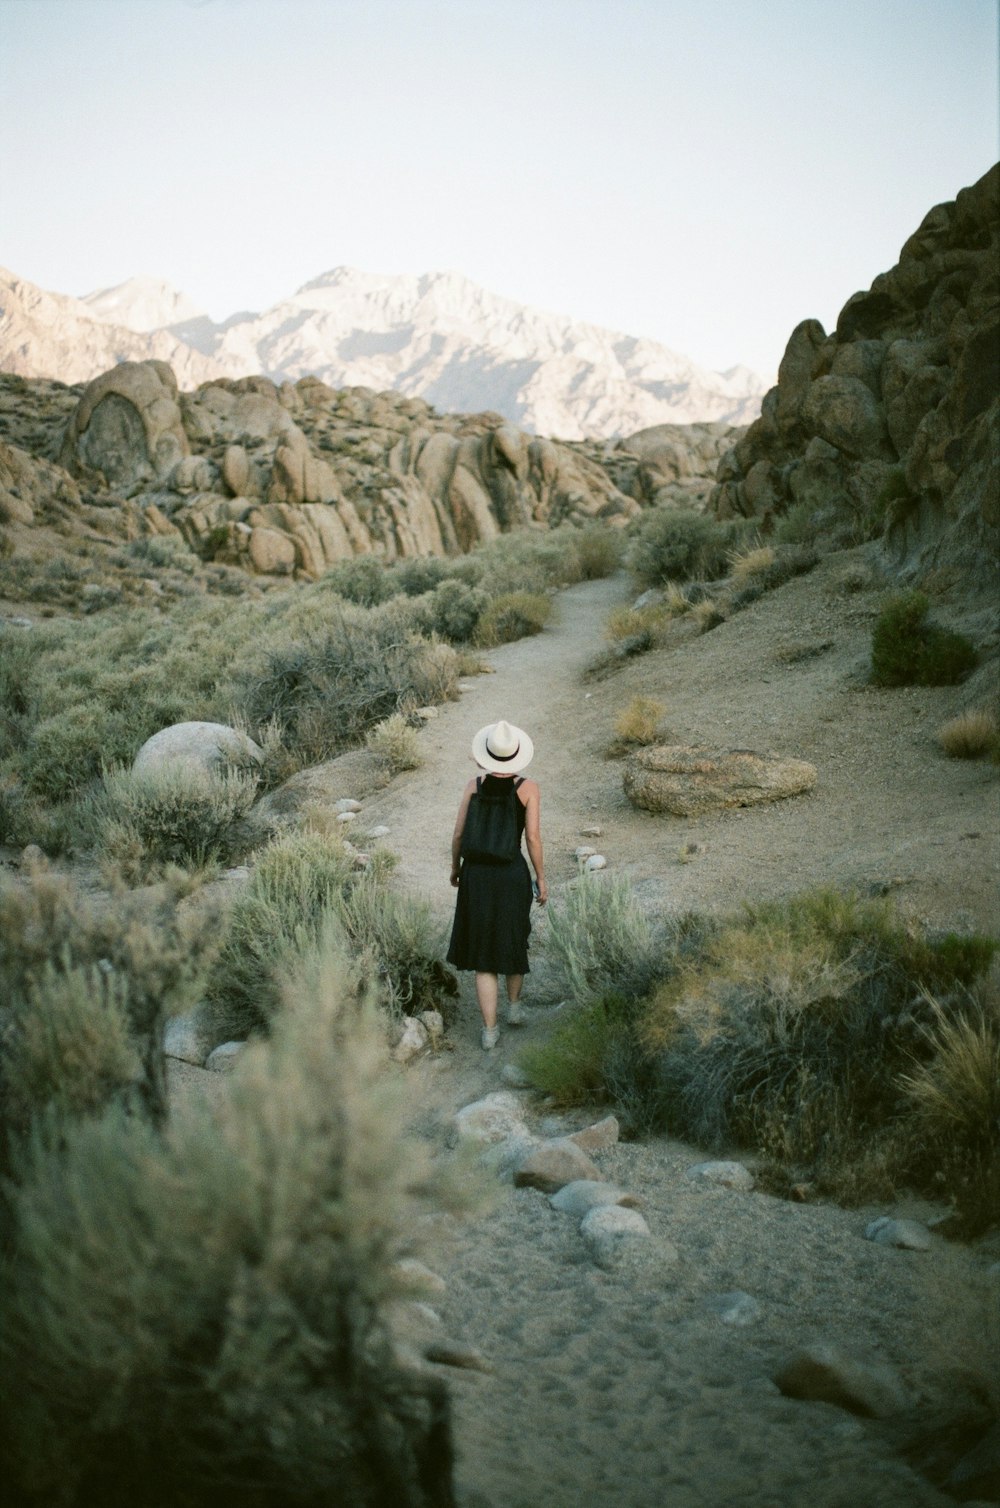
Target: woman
x=493 y=909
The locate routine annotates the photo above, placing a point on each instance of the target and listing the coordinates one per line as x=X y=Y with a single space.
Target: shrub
x=600 y=938
x=454 y=610
x=402 y=945
x=599 y=550
x=179 y=813
x=416 y=576
x=569 y=1065
x=293 y=888
x=513 y=615
x=70 y=972
x=328 y=690
x=972 y=735
x=909 y=650
x=639 y=721
x=200 y=1318
x=363 y=580
x=676 y=544
x=397 y=743
x=751 y=561
x=652 y=618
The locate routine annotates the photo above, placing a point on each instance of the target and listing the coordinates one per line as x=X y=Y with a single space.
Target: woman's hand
x=455 y=873
x=543 y=892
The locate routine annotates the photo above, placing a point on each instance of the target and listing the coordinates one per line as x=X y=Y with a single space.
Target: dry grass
x=749 y=563
x=652 y=618
x=971 y=735
x=396 y=742
x=637 y=724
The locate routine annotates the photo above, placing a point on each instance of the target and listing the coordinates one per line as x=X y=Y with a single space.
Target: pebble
x=911 y=1235
x=739 y=1309
x=825 y=1374
x=726 y=1175
x=583 y=852
x=596 y=861
x=379 y=832
x=347 y=816
x=591 y=832
x=583 y=1195
x=347 y=804
x=554 y=1163
x=457 y=1353
x=411 y=1041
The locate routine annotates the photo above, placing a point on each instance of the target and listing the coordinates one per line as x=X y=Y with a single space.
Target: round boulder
x=127 y=425
x=208 y=745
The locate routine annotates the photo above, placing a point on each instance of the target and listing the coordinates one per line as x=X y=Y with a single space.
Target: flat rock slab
x=583 y=1195
x=825 y=1374
x=554 y=1163
x=682 y=781
x=909 y=1234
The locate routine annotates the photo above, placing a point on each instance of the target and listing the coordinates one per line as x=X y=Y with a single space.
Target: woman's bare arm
x=456 y=837
x=531 y=796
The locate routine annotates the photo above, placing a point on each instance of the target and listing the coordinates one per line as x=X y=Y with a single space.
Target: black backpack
x=490 y=834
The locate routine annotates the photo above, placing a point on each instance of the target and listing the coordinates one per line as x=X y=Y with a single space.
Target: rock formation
x=890 y=424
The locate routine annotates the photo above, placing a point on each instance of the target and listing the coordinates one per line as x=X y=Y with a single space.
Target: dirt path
x=628 y=1390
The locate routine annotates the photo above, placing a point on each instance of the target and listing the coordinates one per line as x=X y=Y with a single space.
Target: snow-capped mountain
x=440 y=337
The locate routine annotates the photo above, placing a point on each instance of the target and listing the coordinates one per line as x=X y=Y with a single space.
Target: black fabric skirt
x=492 y=918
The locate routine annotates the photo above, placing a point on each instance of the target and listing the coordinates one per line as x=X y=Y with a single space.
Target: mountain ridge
x=436 y=336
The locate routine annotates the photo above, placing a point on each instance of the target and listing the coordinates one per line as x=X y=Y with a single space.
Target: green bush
x=296 y=884
x=676 y=544
x=454 y=610
x=512 y=615
x=363 y=580
x=910 y=650
x=399 y=940
x=177 y=814
x=600 y=938
x=69 y=966
x=396 y=742
x=417 y=576
x=599 y=550
x=199 y=1318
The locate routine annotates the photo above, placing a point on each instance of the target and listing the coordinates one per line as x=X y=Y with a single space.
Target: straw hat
x=502 y=749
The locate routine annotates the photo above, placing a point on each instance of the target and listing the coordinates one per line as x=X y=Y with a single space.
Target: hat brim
x=485 y=760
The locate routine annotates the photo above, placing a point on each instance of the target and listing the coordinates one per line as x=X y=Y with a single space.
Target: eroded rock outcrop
x=892 y=423
x=678 y=781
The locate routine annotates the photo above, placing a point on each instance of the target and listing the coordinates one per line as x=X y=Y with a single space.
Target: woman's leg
x=515 y=1016
x=486 y=994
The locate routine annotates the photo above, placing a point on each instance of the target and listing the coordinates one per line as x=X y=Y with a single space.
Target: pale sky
x=703 y=172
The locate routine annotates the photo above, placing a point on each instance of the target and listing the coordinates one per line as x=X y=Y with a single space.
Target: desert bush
x=751 y=561
x=328 y=690
x=396 y=741
x=910 y=650
x=401 y=944
x=652 y=618
x=599 y=550
x=639 y=721
x=569 y=1064
x=677 y=544
x=600 y=938
x=71 y=966
x=249 y=1362
x=953 y=1095
x=363 y=580
x=512 y=615
x=971 y=735
x=178 y=813
x=416 y=576
x=295 y=885
x=454 y=610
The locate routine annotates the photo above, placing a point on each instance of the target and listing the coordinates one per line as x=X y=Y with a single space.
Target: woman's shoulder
x=527 y=788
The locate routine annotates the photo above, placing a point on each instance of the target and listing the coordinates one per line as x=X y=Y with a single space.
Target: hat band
x=503 y=758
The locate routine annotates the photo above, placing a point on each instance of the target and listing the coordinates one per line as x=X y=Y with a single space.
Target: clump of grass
x=637 y=724
x=599 y=551
x=750 y=562
x=250 y=1362
x=652 y=618
x=396 y=742
x=513 y=615
x=179 y=813
x=569 y=1065
x=401 y=944
x=971 y=735
x=600 y=938
x=910 y=650
x=708 y=614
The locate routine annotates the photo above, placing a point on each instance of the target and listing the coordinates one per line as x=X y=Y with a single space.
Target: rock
x=609 y=1229
x=491 y=1119
x=127 y=426
x=425 y=714
x=583 y=1194
x=32 y=857
x=379 y=832
x=271 y=552
x=687 y=782
x=187 y=1038
x=737 y=1309
x=347 y=806
x=210 y=746
x=222 y=1059
x=514 y=1076
x=583 y=852
x=412 y=1040
x=909 y=1234
x=504 y=1157
x=603 y=1133
x=345 y=817
x=359 y=771
x=724 y=1175
x=595 y=862
x=591 y=832
x=825 y=1374
x=844 y=412
x=236 y=470
x=554 y=1163
x=433 y=1023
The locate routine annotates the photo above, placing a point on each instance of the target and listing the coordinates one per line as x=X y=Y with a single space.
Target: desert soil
x=626 y=1389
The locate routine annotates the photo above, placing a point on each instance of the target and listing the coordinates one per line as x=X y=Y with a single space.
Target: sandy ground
x=626 y=1389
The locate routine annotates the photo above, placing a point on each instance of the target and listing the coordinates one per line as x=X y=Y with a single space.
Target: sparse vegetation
x=176 y=814
x=513 y=615
x=637 y=724
x=971 y=735
x=908 y=649
x=823 y=1030
x=677 y=544
x=395 y=741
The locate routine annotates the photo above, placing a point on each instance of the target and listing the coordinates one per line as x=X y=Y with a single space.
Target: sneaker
x=491 y=1036
x=515 y=1013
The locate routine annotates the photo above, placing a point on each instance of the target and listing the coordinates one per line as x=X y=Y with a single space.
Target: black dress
x=493 y=910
